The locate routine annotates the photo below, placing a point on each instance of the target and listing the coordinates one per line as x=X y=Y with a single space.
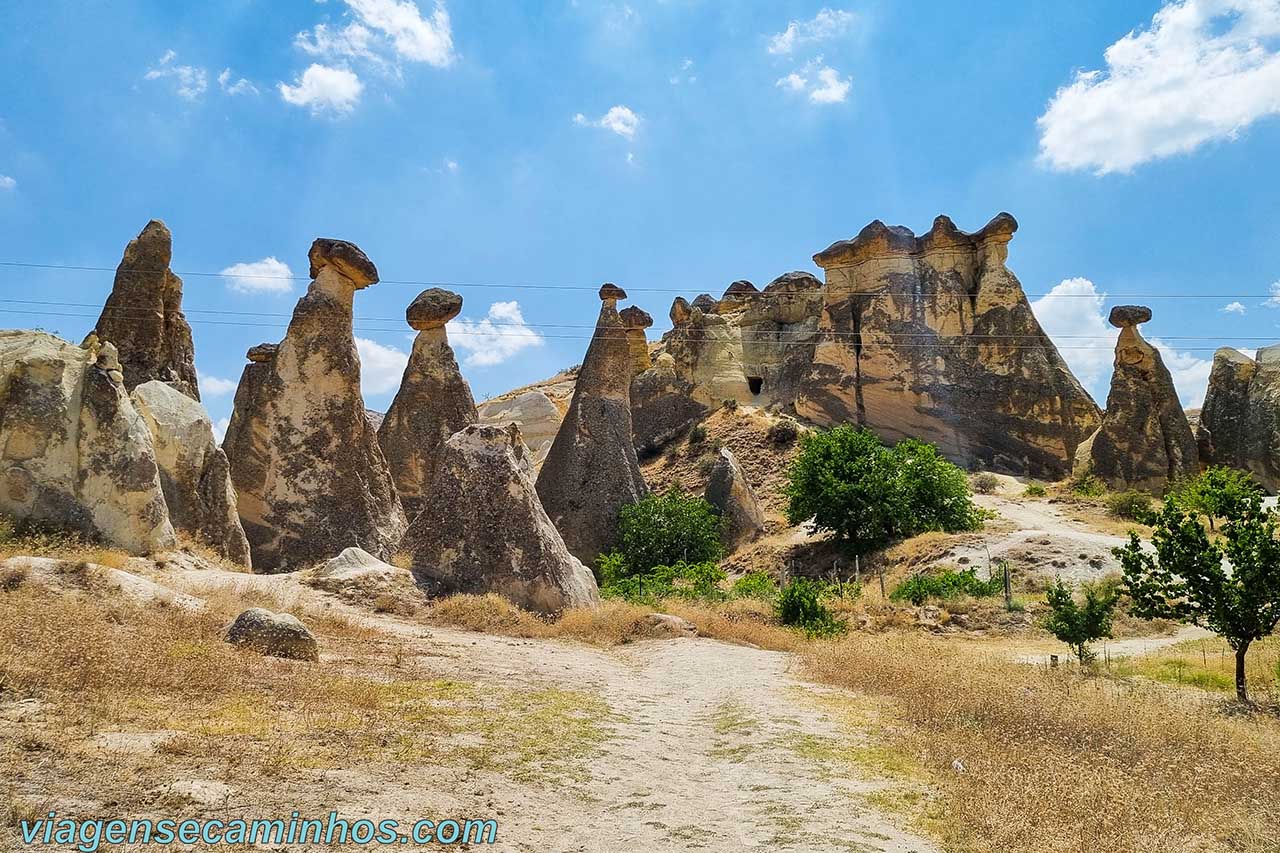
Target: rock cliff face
x=534 y=412
x=928 y=337
x=433 y=402
x=1240 y=422
x=483 y=529
x=1145 y=441
x=741 y=518
x=591 y=471
x=74 y=452
x=309 y=474
x=143 y=315
x=194 y=473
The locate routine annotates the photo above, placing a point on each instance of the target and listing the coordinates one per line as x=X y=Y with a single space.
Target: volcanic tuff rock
x=482 y=528
x=591 y=471
x=433 y=402
x=741 y=518
x=534 y=412
x=310 y=477
x=143 y=315
x=1240 y=422
x=1144 y=441
x=279 y=635
x=636 y=320
x=73 y=450
x=194 y=473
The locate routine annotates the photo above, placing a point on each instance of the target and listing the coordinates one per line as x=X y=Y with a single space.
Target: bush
x=1087 y=485
x=1078 y=625
x=783 y=431
x=847 y=482
x=693 y=581
x=1033 y=490
x=729 y=405
x=947 y=584
x=800 y=606
x=1131 y=505
x=662 y=530
x=758 y=585
x=985 y=484
x=697 y=434
x=1217 y=492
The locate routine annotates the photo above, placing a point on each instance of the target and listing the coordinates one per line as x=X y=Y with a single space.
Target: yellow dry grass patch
x=1209 y=664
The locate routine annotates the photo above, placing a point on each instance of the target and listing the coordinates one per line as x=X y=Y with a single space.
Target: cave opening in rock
x=755 y=383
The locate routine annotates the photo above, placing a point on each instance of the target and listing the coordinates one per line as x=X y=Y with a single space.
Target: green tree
x=1217 y=492
x=851 y=485
x=1232 y=590
x=666 y=529
x=1080 y=623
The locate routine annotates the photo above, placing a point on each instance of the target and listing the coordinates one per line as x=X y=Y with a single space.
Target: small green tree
x=1217 y=492
x=1185 y=576
x=666 y=529
x=800 y=605
x=1080 y=623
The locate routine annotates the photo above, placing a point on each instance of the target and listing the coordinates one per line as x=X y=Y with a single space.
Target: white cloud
x=353 y=40
x=1233 y=308
x=1205 y=70
x=189 y=81
x=684 y=75
x=268 y=275
x=822 y=83
x=324 y=89
x=827 y=24
x=1274 y=301
x=500 y=335
x=619 y=119
x=216 y=386
x=384 y=29
x=381 y=367
x=7 y=183
x=451 y=165
x=1072 y=315
x=239 y=87
x=220 y=428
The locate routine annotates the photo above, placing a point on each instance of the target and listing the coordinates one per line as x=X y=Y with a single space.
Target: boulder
x=534 y=412
x=143 y=315
x=1240 y=422
x=666 y=625
x=194 y=473
x=74 y=452
x=591 y=471
x=310 y=476
x=741 y=518
x=433 y=402
x=1145 y=441
x=352 y=565
x=278 y=635
x=483 y=529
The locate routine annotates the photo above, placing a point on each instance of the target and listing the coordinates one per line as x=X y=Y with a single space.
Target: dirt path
x=713 y=747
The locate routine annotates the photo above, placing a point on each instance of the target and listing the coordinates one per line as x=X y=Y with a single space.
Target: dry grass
x=1055 y=761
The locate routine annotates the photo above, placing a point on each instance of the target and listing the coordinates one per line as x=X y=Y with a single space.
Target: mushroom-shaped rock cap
x=679 y=312
x=705 y=301
x=432 y=308
x=635 y=318
x=609 y=290
x=740 y=288
x=262 y=352
x=1129 y=315
x=347 y=258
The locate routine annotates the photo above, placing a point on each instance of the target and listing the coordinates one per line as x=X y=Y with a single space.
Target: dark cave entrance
x=755 y=383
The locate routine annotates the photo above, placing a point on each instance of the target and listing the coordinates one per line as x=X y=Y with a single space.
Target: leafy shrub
x=946 y=584
x=867 y=494
x=694 y=581
x=1217 y=492
x=697 y=434
x=783 y=431
x=662 y=530
x=758 y=585
x=1131 y=505
x=1087 y=485
x=986 y=484
x=800 y=606
x=1079 y=624
x=1033 y=490
x=729 y=405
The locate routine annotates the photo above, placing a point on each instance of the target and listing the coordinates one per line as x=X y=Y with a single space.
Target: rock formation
x=928 y=337
x=1240 y=422
x=591 y=471
x=1144 y=441
x=278 y=635
x=433 y=402
x=143 y=315
x=309 y=474
x=74 y=453
x=194 y=473
x=636 y=320
x=534 y=412
x=741 y=518
x=483 y=529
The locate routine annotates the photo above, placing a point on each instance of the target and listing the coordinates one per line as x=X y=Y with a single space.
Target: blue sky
x=674 y=146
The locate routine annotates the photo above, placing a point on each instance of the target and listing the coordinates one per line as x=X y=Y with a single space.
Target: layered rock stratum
x=1145 y=441
x=591 y=471
x=310 y=476
x=1239 y=424
x=433 y=402
x=74 y=452
x=143 y=315
x=483 y=529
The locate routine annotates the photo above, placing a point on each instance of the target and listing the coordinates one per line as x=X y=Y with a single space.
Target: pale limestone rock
x=741 y=518
x=309 y=474
x=143 y=316
x=74 y=452
x=433 y=402
x=482 y=528
x=534 y=412
x=194 y=472
x=636 y=320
